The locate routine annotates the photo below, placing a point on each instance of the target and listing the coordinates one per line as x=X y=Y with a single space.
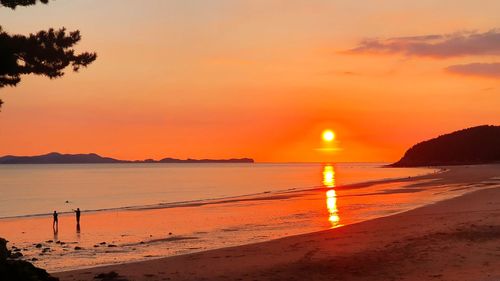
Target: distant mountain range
x=476 y=145
x=92 y=158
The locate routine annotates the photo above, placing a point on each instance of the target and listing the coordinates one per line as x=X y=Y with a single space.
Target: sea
x=133 y=212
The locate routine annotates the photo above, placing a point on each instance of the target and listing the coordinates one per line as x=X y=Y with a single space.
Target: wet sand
x=456 y=239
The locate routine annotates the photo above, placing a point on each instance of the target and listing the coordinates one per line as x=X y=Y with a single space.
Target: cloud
x=437 y=46
x=477 y=69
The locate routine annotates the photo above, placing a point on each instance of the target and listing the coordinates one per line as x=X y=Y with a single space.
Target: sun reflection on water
x=328 y=176
x=331 y=195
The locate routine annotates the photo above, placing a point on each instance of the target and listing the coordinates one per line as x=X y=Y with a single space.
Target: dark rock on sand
x=15 y=255
x=110 y=276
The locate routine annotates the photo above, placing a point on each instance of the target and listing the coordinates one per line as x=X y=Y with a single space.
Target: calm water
x=155 y=210
x=40 y=189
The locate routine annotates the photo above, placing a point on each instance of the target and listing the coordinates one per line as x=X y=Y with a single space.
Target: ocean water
x=134 y=212
x=40 y=189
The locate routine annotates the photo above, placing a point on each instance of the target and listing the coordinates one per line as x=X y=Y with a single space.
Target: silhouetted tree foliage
x=45 y=53
x=477 y=145
x=14 y=3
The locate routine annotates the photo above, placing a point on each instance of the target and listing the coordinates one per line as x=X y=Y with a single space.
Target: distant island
x=476 y=145
x=92 y=158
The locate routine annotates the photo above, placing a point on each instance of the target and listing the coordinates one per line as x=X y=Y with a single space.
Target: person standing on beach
x=77 y=213
x=55 y=224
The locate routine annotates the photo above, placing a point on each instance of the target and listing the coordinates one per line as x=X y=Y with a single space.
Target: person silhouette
x=55 y=224
x=77 y=213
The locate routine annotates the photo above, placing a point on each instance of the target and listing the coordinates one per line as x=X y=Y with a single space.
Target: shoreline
x=256 y=253
x=350 y=186
x=267 y=195
x=150 y=233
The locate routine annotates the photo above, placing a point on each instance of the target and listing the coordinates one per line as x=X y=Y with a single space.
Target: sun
x=328 y=135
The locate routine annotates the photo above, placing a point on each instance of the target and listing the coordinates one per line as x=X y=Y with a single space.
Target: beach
x=164 y=211
x=454 y=239
x=249 y=140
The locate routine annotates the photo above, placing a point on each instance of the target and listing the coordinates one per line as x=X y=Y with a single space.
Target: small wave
x=161 y=240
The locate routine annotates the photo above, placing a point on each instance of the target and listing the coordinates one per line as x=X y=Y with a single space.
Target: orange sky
x=261 y=79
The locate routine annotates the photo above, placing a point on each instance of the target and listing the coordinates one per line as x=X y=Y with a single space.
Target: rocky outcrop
x=13 y=269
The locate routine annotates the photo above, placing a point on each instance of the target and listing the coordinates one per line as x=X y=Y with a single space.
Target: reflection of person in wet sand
x=55 y=224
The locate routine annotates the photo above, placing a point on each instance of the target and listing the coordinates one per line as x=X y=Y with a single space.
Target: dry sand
x=456 y=239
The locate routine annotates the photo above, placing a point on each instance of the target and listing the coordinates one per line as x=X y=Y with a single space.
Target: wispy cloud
x=476 y=69
x=437 y=46
x=443 y=46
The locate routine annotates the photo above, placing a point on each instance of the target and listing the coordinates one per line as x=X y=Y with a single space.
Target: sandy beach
x=455 y=239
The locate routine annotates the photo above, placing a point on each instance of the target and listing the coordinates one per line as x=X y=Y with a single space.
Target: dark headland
x=476 y=145
x=92 y=158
